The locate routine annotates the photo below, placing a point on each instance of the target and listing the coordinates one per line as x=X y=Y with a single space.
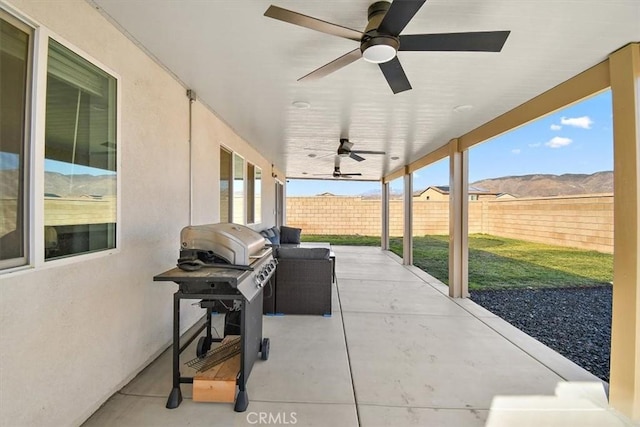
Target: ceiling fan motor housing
x=344 y=149
x=377 y=47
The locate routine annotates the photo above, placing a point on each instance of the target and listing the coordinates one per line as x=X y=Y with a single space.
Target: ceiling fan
x=336 y=171
x=344 y=150
x=381 y=39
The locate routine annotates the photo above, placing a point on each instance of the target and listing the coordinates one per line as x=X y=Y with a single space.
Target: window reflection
x=80 y=156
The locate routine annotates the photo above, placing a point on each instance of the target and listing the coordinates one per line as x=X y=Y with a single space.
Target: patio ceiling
x=245 y=67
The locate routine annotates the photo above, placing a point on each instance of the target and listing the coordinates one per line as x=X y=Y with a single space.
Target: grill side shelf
x=208 y=275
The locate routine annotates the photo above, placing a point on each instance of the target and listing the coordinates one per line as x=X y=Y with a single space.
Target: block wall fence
x=584 y=221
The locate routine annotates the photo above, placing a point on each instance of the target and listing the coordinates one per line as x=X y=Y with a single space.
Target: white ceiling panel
x=245 y=67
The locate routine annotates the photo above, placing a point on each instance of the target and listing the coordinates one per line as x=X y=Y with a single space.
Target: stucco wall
x=577 y=221
x=75 y=331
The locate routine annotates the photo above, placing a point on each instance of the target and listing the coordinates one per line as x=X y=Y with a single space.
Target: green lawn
x=498 y=262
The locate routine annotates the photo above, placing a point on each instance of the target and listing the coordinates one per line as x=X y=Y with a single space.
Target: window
x=238 y=189
x=257 y=196
x=226 y=167
x=80 y=156
x=15 y=71
x=254 y=188
x=251 y=172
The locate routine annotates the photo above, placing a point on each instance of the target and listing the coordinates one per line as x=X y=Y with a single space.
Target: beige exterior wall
x=578 y=221
x=75 y=330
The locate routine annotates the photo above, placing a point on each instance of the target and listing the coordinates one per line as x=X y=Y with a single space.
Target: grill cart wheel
x=204 y=344
x=264 y=349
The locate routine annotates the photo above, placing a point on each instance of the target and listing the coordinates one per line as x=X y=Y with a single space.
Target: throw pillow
x=290 y=234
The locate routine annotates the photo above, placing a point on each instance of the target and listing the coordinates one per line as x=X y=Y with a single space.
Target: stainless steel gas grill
x=225 y=266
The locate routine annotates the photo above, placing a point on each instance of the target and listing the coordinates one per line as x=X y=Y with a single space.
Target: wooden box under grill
x=217 y=384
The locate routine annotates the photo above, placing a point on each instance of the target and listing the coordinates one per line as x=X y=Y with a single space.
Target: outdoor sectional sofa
x=303 y=278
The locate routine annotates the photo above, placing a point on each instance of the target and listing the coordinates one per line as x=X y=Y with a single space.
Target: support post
x=624 y=389
x=458 y=221
x=407 y=239
x=384 y=201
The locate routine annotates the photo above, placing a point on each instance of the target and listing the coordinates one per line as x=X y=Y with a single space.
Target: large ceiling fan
x=344 y=150
x=336 y=171
x=381 y=39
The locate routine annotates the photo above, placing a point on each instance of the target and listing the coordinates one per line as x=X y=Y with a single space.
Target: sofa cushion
x=270 y=235
x=303 y=253
x=290 y=234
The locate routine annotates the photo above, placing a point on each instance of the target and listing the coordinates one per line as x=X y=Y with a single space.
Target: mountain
x=377 y=194
x=542 y=185
x=62 y=185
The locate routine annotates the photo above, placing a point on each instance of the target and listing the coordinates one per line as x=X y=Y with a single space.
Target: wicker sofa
x=302 y=282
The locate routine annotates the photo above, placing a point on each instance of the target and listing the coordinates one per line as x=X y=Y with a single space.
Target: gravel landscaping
x=575 y=322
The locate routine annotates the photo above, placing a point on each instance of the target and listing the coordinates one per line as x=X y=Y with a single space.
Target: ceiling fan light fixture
x=379 y=49
x=462 y=108
x=302 y=105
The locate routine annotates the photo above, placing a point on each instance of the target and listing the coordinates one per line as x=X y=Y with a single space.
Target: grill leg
x=242 y=400
x=175 y=397
x=209 y=334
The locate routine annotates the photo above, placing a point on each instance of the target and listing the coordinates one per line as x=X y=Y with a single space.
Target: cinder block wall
x=576 y=221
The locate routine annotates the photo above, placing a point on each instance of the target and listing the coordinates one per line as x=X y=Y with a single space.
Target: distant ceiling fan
x=344 y=150
x=336 y=171
x=381 y=39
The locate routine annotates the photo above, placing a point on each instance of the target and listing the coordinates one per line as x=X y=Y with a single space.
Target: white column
x=624 y=388
x=407 y=238
x=458 y=221
x=384 y=201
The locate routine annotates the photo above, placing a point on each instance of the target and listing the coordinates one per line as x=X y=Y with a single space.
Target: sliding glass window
x=15 y=74
x=80 y=156
x=254 y=188
x=226 y=166
x=238 y=190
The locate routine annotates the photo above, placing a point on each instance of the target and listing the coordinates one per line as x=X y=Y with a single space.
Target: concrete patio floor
x=397 y=351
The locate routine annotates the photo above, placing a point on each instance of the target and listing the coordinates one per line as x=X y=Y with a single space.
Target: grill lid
x=235 y=243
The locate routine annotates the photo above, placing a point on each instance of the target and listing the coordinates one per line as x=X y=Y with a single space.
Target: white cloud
x=583 y=122
x=555 y=127
x=558 y=141
x=516 y=151
x=536 y=145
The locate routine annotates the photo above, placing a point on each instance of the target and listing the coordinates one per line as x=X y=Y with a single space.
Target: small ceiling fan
x=344 y=150
x=381 y=40
x=336 y=171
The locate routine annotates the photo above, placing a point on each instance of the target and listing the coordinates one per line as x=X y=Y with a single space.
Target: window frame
x=230 y=191
x=35 y=148
x=235 y=155
x=253 y=213
x=54 y=46
x=27 y=208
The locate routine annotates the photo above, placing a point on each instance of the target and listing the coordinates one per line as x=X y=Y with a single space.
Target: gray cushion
x=303 y=253
x=290 y=234
x=271 y=236
x=276 y=232
x=267 y=233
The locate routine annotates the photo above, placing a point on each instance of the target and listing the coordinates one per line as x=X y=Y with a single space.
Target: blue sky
x=577 y=139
